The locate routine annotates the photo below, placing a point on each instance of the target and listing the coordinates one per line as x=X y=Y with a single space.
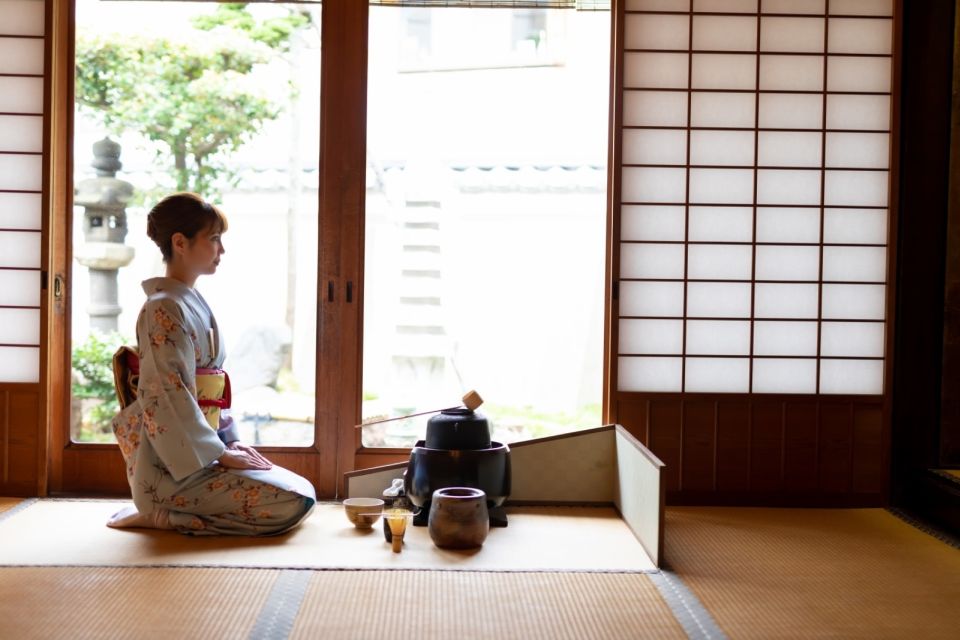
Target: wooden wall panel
x=800 y=447
x=834 y=447
x=733 y=446
x=699 y=440
x=867 y=469
x=765 y=450
x=665 y=438
x=19 y=431
x=766 y=445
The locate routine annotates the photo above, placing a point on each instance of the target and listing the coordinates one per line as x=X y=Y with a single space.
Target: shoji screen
x=21 y=155
x=754 y=190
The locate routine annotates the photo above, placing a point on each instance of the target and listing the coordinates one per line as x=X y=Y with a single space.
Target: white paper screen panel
x=21 y=182
x=754 y=191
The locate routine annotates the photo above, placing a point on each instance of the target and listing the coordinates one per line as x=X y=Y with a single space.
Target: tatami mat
x=802 y=573
x=8 y=503
x=64 y=532
x=443 y=605
x=163 y=603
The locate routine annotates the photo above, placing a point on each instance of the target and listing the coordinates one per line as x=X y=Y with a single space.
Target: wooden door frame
x=70 y=468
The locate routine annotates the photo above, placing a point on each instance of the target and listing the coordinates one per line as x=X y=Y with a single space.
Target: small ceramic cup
x=363 y=512
x=458 y=518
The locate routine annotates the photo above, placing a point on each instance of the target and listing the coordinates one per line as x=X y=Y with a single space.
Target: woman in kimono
x=183 y=474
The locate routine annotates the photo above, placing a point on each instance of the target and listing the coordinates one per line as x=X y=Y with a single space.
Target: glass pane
x=255 y=123
x=651 y=336
x=652 y=223
x=21 y=95
x=649 y=374
x=464 y=282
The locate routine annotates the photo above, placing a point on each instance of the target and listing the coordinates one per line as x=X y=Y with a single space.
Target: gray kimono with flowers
x=167 y=444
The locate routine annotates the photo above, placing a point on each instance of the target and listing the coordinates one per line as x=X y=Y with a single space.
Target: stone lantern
x=104 y=200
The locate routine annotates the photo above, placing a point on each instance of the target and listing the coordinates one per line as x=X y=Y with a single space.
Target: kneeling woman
x=184 y=474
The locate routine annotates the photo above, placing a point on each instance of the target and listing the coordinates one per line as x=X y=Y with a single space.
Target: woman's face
x=201 y=254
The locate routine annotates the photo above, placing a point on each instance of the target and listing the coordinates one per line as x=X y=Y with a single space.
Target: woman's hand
x=243 y=457
x=239 y=446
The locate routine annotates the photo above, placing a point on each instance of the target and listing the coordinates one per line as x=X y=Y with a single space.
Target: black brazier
x=458 y=452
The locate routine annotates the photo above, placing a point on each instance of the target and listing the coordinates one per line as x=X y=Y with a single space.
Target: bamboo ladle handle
x=471 y=400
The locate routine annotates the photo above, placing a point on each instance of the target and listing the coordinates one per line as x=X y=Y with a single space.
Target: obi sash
x=213 y=385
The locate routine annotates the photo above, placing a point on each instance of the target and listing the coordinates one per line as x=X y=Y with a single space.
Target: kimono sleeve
x=176 y=428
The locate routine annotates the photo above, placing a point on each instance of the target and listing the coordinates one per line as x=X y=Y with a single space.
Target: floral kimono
x=168 y=445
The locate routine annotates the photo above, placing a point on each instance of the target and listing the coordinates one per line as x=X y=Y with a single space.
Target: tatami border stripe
x=17 y=508
x=293 y=567
x=926 y=527
x=686 y=607
x=282 y=606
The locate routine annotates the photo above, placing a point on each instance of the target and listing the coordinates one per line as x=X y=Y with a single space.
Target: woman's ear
x=179 y=242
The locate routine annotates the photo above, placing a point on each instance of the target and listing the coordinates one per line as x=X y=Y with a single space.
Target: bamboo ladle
x=471 y=400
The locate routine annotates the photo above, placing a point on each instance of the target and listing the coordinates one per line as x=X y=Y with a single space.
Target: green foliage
x=194 y=98
x=93 y=369
x=273 y=32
